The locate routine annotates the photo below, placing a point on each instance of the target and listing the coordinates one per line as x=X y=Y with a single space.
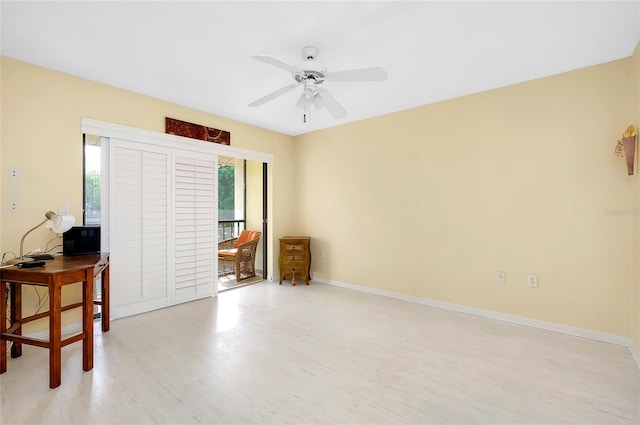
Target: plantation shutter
x=195 y=226
x=139 y=227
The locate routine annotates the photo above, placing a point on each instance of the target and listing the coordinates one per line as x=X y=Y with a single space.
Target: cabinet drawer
x=288 y=269
x=294 y=248
x=292 y=258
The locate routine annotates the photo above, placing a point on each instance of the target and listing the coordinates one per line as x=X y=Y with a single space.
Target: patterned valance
x=196 y=131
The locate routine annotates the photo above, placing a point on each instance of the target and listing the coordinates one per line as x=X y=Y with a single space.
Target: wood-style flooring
x=229 y=282
x=271 y=354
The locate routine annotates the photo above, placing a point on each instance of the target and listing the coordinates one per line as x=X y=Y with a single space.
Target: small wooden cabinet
x=295 y=258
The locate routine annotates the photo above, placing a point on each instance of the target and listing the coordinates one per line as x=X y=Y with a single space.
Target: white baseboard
x=520 y=320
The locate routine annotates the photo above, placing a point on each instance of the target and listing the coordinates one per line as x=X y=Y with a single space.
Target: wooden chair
x=239 y=254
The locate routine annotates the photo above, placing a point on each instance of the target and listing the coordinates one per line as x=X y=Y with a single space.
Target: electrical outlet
x=501 y=277
x=322 y=253
x=532 y=280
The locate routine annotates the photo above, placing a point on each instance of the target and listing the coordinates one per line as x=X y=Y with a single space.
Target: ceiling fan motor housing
x=311 y=70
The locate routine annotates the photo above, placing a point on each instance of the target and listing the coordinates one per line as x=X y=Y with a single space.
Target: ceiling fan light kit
x=311 y=75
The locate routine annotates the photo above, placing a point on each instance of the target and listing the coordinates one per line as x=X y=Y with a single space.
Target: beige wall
x=41 y=137
x=636 y=253
x=432 y=201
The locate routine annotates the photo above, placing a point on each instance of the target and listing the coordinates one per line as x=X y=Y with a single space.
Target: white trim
x=106 y=129
x=105 y=195
x=534 y=323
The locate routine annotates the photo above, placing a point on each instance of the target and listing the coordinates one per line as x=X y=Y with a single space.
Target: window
x=91 y=180
x=231 y=197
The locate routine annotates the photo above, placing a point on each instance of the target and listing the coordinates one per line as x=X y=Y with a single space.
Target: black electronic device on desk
x=81 y=240
x=30 y=264
x=31 y=261
x=40 y=257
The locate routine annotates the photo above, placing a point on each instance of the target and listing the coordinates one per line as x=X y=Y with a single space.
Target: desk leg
x=87 y=321
x=3 y=326
x=106 y=297
x=55 y=332
x=16 y=317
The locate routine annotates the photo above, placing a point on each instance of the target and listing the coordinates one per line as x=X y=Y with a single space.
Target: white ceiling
x=198 y=54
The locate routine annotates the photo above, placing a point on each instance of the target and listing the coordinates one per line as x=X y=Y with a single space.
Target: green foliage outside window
x=92 y=194
x=226 y=192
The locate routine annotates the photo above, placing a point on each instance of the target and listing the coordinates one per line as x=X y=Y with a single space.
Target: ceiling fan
x=311 y=75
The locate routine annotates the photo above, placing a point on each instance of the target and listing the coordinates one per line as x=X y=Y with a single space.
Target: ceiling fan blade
x=319 y=103
x=303 y=101
x=273 y=95
x=365 y=74
x=277 y=63
x=331 y=104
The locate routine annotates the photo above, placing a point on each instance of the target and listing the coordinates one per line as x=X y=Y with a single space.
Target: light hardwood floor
x=267 y=353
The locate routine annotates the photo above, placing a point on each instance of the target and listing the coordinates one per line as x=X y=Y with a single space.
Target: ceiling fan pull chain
x=307 y=112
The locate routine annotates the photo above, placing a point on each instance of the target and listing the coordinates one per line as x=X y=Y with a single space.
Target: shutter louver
x=139 y=228
x=195 y=227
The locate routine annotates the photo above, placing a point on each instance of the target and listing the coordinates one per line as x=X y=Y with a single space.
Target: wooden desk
x=57 y=273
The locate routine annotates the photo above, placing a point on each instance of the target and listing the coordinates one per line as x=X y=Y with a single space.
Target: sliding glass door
x=241 y=205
